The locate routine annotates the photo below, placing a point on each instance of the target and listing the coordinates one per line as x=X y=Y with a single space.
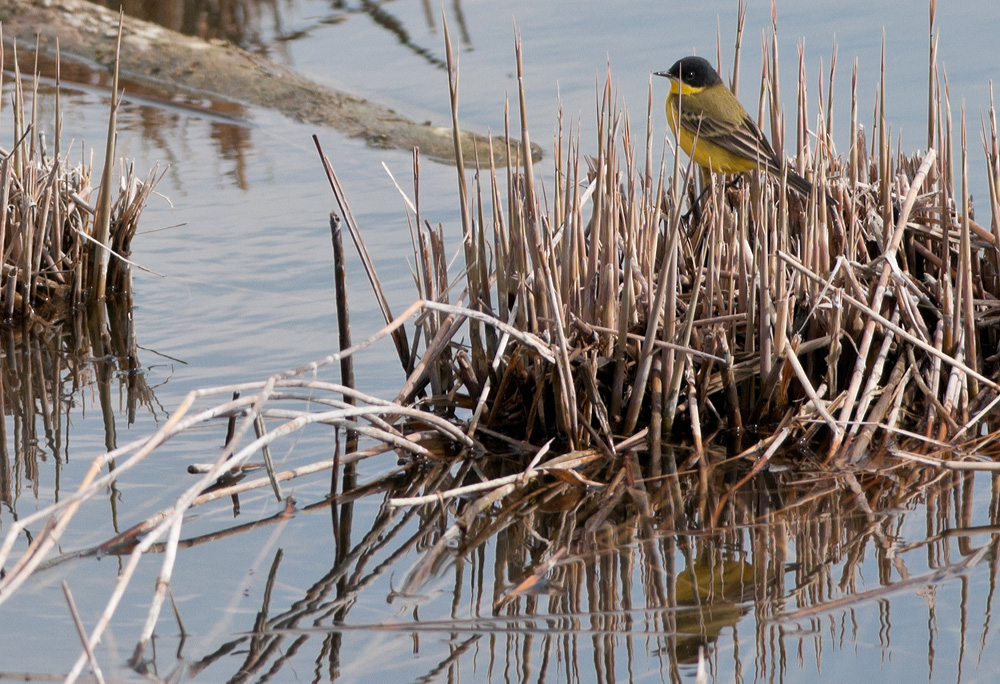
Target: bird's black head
x=695 y=72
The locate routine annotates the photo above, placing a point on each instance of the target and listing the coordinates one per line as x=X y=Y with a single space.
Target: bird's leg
x=695 y=210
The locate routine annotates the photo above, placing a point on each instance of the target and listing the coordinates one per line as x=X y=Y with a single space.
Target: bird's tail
x=799 y=184
x=804 y=187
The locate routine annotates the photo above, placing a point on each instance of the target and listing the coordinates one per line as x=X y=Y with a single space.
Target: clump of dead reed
x=844 y=325
x=64 y=243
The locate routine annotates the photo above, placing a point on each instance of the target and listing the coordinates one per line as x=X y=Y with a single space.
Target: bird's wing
x=744 y=139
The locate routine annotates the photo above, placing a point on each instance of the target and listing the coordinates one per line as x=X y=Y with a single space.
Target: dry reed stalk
x=102 y=215
x=473 y=260
x=965 y=268
x=398 y=332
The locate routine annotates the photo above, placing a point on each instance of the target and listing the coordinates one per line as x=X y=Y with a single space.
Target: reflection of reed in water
x=241 y=22
x=557 y=584
x=46 y=374
x=244 y=22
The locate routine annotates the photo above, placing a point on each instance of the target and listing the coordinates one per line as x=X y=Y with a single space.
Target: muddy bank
x=163 y=58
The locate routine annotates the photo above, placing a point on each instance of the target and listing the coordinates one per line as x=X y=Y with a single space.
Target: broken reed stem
x=476 y=288
x=102 y=218
x=889 y=262
x=61 y=513
x=398 y=332
x=965 y=267
x=343 y=312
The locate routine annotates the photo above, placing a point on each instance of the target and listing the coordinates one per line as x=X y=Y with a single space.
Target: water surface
x=821 y=587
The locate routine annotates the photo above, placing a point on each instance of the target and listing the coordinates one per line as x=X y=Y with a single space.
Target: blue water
x=244 y=246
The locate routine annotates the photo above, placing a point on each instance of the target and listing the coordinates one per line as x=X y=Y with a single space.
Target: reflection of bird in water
x=711 y=601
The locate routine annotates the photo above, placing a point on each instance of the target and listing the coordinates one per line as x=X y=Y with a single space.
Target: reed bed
x=65 y=243
x=855 y=323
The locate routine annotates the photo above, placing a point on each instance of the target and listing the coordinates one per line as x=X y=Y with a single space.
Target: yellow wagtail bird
x=728 y=140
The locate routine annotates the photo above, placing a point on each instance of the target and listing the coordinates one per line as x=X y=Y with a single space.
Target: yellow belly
x=706 y=153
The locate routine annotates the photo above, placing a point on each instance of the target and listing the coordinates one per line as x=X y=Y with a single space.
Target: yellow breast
x=707 y=154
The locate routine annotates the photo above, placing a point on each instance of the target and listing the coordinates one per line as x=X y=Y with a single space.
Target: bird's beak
x=665 y=74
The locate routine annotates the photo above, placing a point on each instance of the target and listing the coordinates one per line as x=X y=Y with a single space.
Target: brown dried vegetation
x=53 y=222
